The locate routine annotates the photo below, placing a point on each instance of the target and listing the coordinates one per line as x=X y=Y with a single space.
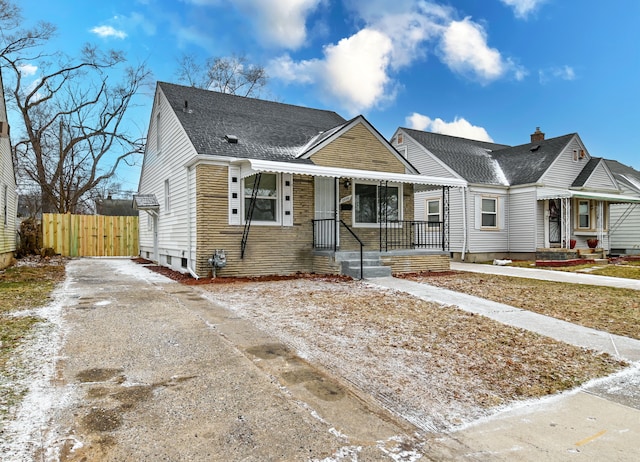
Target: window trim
x=5 y=205
x=278 y=198
x=358 y=224
x=158 y=133
x=496 y=213
x=167 y=195
x=426 y=208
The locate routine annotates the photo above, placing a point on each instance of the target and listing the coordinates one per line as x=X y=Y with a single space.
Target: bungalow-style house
x=8 y=196
x=547 y=199
x=625 y=218
x=237 y=186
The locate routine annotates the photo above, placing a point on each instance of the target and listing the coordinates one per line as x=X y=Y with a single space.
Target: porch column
x=566 y=222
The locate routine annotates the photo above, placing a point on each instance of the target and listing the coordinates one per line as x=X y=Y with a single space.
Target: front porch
x=379 y=264
x=568 y=257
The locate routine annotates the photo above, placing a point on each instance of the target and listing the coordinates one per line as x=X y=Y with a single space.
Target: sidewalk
x=599 y=421
x=617 y=346
x=548 y=275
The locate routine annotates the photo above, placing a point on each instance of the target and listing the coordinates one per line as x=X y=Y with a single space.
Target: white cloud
x=460 y=127
x=27 y=70
x=522 y=8
x=556 y=73
x=280 y=23
x=108 y=31
x=358 y=71
x=465 y=50
x=353 y=72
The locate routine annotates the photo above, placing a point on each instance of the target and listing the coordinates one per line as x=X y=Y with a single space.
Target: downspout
x=463 y=191
x=189 y=243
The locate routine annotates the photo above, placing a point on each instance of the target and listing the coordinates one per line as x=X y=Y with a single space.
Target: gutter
x=463 y=191
x=189 y=243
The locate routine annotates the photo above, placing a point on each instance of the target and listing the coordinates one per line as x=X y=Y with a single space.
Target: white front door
x=325 y=209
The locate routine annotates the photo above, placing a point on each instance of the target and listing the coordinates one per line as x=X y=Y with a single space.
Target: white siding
x=539 y=229
x=601 y=179
x=159 y=166
x=522 y=220
x=565 y=169
x=625 y=225
x=484 y=240
x=422 y=160
x=8 y=197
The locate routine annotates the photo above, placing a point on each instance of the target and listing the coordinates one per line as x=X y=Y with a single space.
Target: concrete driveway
x=150 y=370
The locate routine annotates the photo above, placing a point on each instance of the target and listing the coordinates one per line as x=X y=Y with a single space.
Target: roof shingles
x=266 y=130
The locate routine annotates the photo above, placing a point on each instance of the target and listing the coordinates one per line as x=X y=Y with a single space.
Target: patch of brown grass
x=612 y=310
x=415 y=356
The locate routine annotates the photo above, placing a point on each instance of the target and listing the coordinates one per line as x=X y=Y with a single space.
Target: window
x=376 y=203
x=266 y=207
x=489 y=212
x=167 y=196
x=158 y=145
x=400 y=138
x=584 y=215
x=433 y=211
x=5 y=205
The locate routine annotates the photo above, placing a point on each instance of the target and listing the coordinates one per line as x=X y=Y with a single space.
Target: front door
x=555 y=222
x=326 y=231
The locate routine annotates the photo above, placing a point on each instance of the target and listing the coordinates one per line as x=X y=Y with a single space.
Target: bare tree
x=74 y=136
x=233 y=74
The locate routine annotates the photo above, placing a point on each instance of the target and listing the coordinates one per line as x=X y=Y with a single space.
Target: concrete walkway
x=599 y=421
x=548 y=275
x=617 y=346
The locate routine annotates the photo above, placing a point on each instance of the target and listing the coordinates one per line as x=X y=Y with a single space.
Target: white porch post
x=566 y=222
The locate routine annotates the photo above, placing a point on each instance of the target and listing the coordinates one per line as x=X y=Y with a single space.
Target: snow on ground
x=125 y=267
x=438 y=367
x=26 y=431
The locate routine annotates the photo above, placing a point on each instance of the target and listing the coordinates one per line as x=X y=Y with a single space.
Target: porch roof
x=549 y=193
x=251 y=166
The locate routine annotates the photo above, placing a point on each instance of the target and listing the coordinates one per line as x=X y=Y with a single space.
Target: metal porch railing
x=393 y=235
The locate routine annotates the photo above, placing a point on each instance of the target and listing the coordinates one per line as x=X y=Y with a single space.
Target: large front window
x=375 y=204
x=266 y=207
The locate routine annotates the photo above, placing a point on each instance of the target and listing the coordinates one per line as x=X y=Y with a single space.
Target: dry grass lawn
x=616 y=311
x=23 y=287
x=436 y=366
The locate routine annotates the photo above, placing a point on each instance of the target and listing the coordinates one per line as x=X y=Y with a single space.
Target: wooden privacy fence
x=90 y=235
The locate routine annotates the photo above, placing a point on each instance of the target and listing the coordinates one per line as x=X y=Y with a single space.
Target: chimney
x=537 y=136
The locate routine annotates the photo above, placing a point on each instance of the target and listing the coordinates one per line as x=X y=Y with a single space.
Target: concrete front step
x=372 y=266
x=352 y=268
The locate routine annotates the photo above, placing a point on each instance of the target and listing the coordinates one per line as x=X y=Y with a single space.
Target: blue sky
x=491 y=69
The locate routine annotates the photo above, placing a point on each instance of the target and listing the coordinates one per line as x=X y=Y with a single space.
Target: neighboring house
x=523 y=201
x=8 y=196
x=278 y=188
x=115 y=207
x=625 y=218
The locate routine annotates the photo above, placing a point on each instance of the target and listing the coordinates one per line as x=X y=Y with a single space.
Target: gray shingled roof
x=145 y=201
x=586 y=172
x=491 y=163
x=526 y=163
x=266 y=130
x=469 y=158
x=624 y=174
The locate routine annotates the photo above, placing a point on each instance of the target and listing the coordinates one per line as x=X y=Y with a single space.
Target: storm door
x=555 y=222
x=326 y=228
